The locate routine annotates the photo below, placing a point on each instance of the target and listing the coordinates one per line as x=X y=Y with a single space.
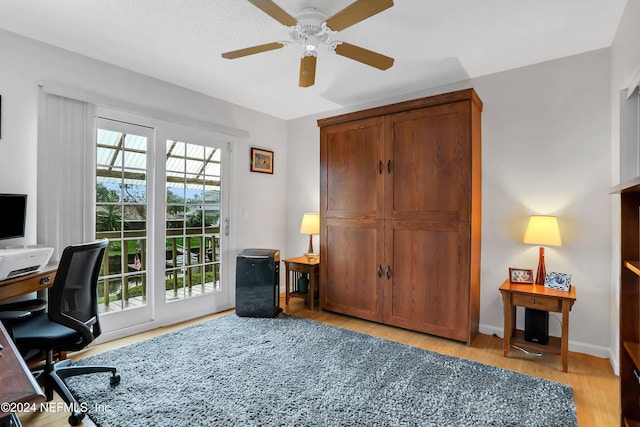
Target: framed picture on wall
x=521 y=275
x=261 y=160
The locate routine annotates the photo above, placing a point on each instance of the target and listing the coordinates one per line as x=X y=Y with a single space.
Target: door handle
x=388 y=272
x=389 y=166
x=380 y=166
x=379 y=270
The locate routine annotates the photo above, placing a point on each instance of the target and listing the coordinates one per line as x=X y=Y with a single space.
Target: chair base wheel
x=114 y=380
x=76 y=418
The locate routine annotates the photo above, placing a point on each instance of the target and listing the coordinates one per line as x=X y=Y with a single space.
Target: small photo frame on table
x=261 y=160
x=521 y=275
x=559 y=281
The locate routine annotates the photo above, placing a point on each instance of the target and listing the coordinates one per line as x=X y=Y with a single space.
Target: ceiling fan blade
x=356 y=12
x=365 y=56
x=307 y=71
x=252 y=50
x=275 y=11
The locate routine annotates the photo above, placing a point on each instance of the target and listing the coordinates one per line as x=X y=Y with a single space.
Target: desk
x=294 y=269
x=539 y=298
x=17 y=385
x=29 y=283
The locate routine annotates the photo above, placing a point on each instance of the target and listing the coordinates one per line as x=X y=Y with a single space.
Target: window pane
x=108 y=217
x=195 y=276
x=108 y=138
x=194 y=166
x=107 y=191
x=134 y=186
x=135 y=159
x=194 y=217
x=137 y=289
x=194 y=151
x=175 y=192
x=106 y=156
x=211 y=215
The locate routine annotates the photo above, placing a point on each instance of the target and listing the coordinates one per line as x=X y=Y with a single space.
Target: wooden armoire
x=400 y=202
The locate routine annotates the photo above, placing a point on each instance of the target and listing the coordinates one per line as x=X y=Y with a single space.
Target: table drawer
x=537 y=302
x=24 y=285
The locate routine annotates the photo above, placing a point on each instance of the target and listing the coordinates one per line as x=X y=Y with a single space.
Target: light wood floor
x=595 y=387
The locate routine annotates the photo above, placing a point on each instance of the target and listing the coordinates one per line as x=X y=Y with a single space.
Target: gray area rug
x=289 y=371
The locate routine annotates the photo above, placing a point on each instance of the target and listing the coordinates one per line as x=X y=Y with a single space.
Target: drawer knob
x=533 y=301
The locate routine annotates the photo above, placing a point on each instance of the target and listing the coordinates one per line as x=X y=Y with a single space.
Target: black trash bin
x=258 y=283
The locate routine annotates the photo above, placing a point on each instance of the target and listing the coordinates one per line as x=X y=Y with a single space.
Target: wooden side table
x=540 y=298
x=296 y=268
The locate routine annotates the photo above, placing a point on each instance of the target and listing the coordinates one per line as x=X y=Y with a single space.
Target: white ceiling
x=434 y=42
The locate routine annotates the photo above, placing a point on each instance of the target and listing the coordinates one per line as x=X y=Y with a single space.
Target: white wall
x=27 y=64
x=546 y=134
x=625 y=63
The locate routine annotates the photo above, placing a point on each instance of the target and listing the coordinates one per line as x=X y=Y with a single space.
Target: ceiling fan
x=311 y=29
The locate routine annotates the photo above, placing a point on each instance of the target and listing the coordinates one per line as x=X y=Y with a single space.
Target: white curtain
x=65 y=170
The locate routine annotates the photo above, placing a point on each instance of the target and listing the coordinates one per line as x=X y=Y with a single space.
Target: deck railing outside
x=192 y=267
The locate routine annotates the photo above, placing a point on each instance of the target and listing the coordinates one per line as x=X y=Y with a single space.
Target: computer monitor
x=13 y=213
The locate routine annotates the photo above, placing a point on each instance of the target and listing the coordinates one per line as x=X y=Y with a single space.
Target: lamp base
x=542 y=271
x=311 y=256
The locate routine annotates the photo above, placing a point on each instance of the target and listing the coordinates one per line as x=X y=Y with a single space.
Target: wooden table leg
x=316 y=277
x=286 y=281
x=564 y=338
x=509 y=323
x=312 y=290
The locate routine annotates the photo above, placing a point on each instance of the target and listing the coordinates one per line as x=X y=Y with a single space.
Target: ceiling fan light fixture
x=311 y=43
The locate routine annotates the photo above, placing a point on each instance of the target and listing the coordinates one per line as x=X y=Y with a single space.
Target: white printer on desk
x=16 y=262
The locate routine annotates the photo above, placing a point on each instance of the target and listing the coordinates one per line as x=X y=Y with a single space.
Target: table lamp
x=542 y=230
x=310 y=225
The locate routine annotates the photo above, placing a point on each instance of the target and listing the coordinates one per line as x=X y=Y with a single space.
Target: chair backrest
x=73 y=298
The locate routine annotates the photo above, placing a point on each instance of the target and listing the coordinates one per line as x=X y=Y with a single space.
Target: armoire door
x=351 y=169
x=351 y=275
x=429 y=175
x=428 y=287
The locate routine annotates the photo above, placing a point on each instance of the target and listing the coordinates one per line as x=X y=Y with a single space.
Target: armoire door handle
x=389 y=166
x=380 y=166
x=379 y=270
x=388 y=272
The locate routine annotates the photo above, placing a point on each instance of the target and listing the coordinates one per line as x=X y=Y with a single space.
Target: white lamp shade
x=543 y=230
x=310 y=224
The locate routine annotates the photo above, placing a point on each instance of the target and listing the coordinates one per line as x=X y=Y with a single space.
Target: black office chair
x=70 y=323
